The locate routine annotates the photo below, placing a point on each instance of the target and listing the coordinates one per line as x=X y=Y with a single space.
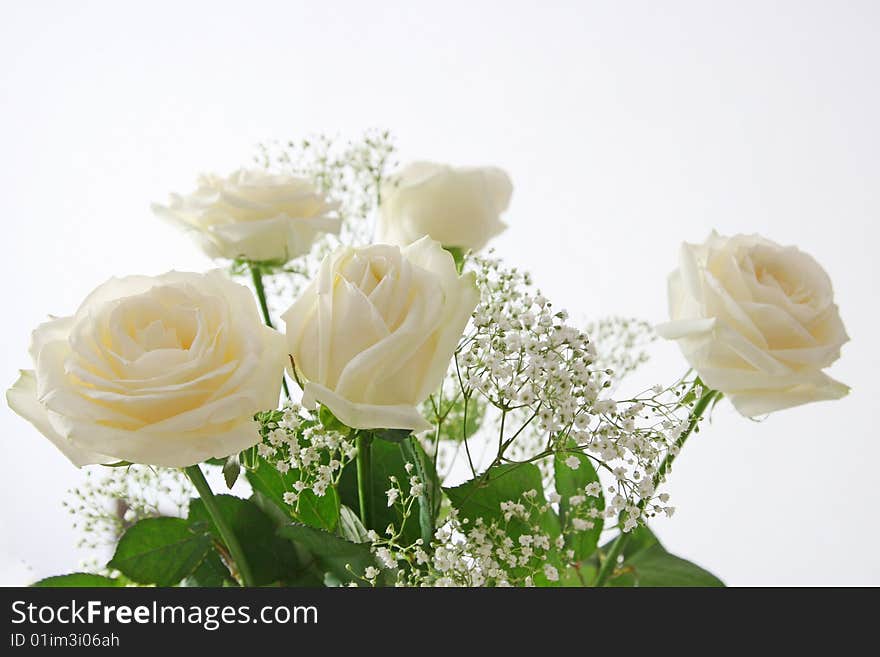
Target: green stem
x=198 y=479
x=365 y=477
x=257 y=278
x=610 y=560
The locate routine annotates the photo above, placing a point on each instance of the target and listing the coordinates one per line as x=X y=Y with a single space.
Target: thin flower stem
x=464 y=436
x=257 y=278
x=467 y=398
x=365 y=477
x=229 y=539
x=610 y=560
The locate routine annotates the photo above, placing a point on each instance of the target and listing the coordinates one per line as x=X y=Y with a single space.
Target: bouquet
x=426 y=417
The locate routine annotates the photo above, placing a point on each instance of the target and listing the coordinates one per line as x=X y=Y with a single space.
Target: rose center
x=797 y=291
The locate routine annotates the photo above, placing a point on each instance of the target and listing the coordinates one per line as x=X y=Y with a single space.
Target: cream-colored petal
x=365 y=416
x=458 y=312
x=754 y=403
x=684 y=328
x=369 y=374
x=22 y=398
x=173 y=449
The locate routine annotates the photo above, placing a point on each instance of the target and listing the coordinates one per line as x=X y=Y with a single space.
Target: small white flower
x=581 y=525
x=573 y=462
x=386 y=557
x=551 y=573
x=393 y=494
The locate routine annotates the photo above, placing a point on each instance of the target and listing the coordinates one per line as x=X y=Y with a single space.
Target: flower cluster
x=621 y=344
x=352 y=173
x=511 y=551
x=349 y=171
x=548 y=387
x=298 y=446
x=522 y=355
x=111 y=500
x=408 y=355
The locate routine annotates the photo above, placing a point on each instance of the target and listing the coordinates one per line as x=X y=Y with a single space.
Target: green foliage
x=648 y=564
x=458 y=255
x=77 y=580
x=330 y=421
x=336 y=555
x=482 y=498
x=321 y=512
x=243 y=266
x=271 y=558
x=231 y=470
x=160 y=551
x=211 y=572
x=429 y=500
x=391 y=435
x=572 y=482
x=388 y=461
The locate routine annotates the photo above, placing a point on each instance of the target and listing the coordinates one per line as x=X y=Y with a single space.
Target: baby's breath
x=309 y=456
x=549 y=387
x=111 y=500
x=351 y=173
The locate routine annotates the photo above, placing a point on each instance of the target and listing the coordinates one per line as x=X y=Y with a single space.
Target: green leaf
x=160 y=551
x=572 y=482
x=266 y=479
x=271 y=559
x=387 y=461
x=77 y=579
x=458 y=256
x=429 y=500
x=231 y=470
x=211 y=572
x=482 y=497
x=332 y=552
x=321 y=512
x=330 y=421
x=648 y=564
x=278 y=516
x=318 y=511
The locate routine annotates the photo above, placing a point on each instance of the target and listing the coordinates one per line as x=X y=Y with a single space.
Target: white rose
x=458 y=207
x=374 y=332
x=165 y=370
x=757 y=321
x=253 y=214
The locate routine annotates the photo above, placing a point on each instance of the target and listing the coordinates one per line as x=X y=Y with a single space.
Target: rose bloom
x=374 y=332
x=458 y=207
x=253 y=214
x=165 y=370
x=757 y=321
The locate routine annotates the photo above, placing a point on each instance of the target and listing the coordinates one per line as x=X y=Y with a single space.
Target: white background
x=627 y=127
